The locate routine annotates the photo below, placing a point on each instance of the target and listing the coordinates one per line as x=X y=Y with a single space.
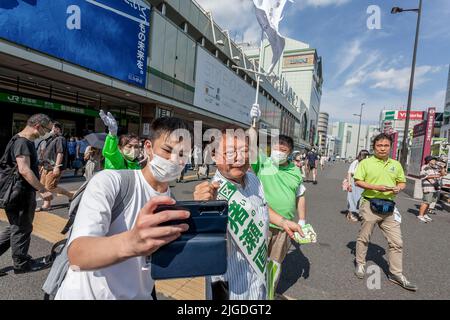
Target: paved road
x=325 y=270
x=319 y=271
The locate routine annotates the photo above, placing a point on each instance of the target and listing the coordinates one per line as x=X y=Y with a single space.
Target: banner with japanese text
x=110 y=37
x=247 y=227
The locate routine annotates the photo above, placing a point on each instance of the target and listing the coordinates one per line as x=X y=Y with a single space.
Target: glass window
x=170 y=49
x=157 y=39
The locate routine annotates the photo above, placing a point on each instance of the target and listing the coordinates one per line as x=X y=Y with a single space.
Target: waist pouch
x=381 y=206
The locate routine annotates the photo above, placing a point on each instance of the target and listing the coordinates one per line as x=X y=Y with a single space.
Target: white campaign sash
x=246 y=226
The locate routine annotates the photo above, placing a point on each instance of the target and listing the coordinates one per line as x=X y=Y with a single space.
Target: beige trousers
x=279 y=243
x=391 y=231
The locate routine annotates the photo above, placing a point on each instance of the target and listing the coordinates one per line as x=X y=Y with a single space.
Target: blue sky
x=361 y=65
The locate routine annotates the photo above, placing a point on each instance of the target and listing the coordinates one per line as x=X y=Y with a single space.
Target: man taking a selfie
x=108 y=257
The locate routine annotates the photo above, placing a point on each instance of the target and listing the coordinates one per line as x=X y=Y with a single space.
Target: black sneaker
x=2 y=274
x=315 y=182
x=33 y=266
x=402 y=282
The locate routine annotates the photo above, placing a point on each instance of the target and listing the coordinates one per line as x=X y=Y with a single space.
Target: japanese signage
x=11 y=98
x=389 y=115
x=421 y=143
x=246 y=226
x=109 y=37
x=413 y=115
x=401 y=115
x=298 y=61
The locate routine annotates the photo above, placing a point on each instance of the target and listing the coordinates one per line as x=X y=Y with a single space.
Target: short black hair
x=57 y=125
x=286 y=141
x=382 y=136
x=164 y=125
x=39 y=119
x=125 y=139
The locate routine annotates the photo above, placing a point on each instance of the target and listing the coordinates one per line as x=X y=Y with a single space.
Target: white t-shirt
x=352 y=169
x=128 y=279
x=353 y=166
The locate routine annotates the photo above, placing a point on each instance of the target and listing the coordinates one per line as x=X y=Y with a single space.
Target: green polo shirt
x=379 y=172
x=280 y=184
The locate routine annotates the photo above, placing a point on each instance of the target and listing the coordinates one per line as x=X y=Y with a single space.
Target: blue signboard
x=107 y=36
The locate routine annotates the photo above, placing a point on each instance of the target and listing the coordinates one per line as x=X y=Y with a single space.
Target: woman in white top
x=353 y=192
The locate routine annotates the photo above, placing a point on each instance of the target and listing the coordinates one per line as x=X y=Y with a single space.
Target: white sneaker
x=427 y=217
x=422 y=219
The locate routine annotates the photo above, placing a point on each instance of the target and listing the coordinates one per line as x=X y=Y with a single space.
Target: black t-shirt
x=55 y=146
x=25 y=147
x=312 y=157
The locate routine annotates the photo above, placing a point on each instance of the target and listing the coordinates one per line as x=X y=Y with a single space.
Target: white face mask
x=278 y=157
x=131 y=154
x=165 y=170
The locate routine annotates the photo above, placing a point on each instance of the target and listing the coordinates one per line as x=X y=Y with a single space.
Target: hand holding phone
x=148 y=233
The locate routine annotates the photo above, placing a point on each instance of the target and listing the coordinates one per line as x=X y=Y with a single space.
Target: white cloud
x=235 y=15
x=324 y=3
x=398 y=79
x=359 y=76
x=238 y=15
x=347 y=56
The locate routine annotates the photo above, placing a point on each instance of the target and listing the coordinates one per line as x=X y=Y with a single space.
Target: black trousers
x=17 y=235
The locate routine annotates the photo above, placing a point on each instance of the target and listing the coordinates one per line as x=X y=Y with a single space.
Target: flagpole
x=258 y=75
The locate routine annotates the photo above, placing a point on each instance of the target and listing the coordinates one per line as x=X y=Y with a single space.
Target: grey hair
x=39 y=119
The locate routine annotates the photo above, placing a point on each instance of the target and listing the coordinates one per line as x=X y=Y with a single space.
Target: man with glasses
x=22 y=203
x=249 y=219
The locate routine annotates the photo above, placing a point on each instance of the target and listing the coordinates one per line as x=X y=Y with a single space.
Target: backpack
x=9 y=176
x=41 y=147
x=59 y=256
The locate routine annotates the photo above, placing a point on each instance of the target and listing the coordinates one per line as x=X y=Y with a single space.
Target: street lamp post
x=359 y=127
x=404 y=152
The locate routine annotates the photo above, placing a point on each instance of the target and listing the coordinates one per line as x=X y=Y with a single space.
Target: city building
x=299 y=73
x=347 y=133
x=445 y=129
x=163 y=58
x=392 y=121
x=333 y=146
x=322 y=129
x=372 y=131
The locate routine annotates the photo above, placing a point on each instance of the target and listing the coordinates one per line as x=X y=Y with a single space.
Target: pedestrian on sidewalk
x=298 y=161
x=441 y=162
x=354 y=192
x=20 y=210
x=285 y=194
x=312 y=160
x=430 y=174
x=54 y=163
x=120 y=153
x=382 y=178
x=323 y=159
x=249 y=218
x=94 y=159
x=110 y=256
x=72 y=150
x=82 y=145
